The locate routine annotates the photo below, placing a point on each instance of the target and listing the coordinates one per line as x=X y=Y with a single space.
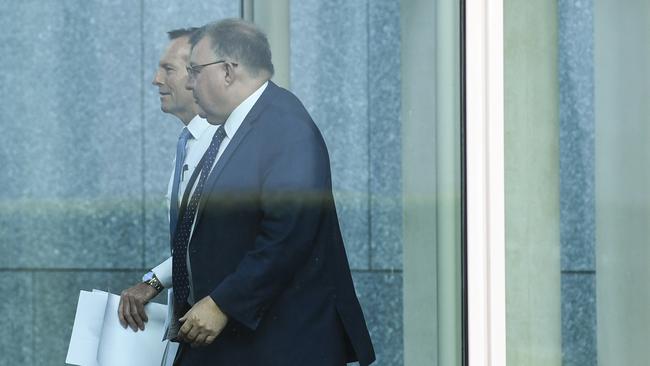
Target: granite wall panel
x=17 y=335
x=577 y=182
x=71 y=111
x=579 y=333
x=385 y=140
x=380 y=295
x=161 y=130
x=329 y=73
x=577 y=130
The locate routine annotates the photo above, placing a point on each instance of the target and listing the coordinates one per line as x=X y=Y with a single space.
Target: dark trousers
x=182 y=359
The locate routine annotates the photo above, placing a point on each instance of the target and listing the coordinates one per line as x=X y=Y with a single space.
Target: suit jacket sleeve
x=294 y=183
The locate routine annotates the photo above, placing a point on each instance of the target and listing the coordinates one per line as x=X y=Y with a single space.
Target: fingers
x=143 y=314
x=201 y=326
x=136 y=315
x=185 y=328
x=120 y=312
x=192 y=335
x=199 y=341
x=126 y=310
x=131 y=314
x=131 y=310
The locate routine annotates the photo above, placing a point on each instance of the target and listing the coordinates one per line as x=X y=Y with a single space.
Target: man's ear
x=230 y=74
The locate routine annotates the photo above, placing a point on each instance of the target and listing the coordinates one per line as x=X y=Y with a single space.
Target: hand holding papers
x=98 y=338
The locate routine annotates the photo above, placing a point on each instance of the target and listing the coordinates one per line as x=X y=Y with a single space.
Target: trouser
x=179 y=354
x=184 y=348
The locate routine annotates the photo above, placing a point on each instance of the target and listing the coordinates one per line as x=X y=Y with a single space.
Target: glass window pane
x=577 y=123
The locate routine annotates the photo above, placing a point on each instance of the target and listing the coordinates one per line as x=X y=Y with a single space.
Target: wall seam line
x=368 y=121
x=142 y=138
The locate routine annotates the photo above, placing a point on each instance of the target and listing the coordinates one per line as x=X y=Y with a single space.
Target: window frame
x=483 y=183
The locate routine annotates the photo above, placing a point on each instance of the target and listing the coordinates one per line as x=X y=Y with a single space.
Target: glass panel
x=87 y=154
x=430 y=124
x=622 y=180
x=577 y=85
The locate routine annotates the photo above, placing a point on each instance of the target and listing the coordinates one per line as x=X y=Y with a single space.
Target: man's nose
x=189 y=84
x=157 y=81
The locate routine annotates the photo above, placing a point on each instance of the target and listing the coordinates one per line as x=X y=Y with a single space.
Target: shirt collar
x=239 y=114
x=197 y=126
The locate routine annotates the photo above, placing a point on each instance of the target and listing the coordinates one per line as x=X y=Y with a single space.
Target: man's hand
x=202 y=323
x=131 y=309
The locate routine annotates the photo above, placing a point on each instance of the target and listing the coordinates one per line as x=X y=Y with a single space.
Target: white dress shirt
x=230 y=126
x=202 y=133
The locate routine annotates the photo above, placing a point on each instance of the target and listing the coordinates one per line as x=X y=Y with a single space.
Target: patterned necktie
x=180 y=280
x=178 y=168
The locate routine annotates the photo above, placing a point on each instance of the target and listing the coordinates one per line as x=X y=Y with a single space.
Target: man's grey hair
x=240 y=41
x=181 y=32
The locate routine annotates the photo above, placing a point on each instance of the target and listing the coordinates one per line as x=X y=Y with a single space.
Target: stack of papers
x=98 y=338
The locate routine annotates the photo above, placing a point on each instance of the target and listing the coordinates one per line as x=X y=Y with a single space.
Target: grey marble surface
x=577 y=128
x=345 y=68
x=385 y=142
x=577 y=182
x=329 y=73
x=579 y=322
x=161 y=130
x=18 y=335
x=72 y=111
x=380 y=295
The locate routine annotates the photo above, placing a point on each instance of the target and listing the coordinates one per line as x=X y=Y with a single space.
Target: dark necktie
x=178 y=169
x=180 y=280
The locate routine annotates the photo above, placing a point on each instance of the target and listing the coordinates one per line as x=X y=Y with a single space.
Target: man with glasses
x=260 y=273
x=175 y=99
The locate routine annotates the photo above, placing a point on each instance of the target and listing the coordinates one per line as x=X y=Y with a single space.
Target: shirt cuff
x=164 y=272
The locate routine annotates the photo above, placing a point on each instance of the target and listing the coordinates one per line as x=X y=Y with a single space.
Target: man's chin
x=213 y=121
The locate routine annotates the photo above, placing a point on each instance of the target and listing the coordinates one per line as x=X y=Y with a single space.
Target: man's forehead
x=201 y=52
x=179 y=46
x=178 y=49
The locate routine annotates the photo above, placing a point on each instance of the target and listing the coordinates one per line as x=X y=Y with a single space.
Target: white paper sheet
x=88 y=324
x=98 y=338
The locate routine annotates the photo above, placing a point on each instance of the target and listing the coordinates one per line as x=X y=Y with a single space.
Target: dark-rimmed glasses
x=194 y=70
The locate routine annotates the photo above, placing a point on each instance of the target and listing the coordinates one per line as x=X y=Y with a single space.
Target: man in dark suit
x=260 y=273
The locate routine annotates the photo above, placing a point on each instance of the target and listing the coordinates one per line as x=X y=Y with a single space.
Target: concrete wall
x=87 y=153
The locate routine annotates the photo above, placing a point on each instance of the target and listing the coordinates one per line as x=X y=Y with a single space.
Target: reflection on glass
x=577 y=182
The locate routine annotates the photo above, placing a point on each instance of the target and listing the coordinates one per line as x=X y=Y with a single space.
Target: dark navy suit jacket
x=267 y=247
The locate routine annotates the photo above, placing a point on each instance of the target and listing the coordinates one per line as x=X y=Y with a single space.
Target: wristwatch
x=153 y=281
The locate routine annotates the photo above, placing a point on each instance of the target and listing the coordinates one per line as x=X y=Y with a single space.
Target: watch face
x=147 y=277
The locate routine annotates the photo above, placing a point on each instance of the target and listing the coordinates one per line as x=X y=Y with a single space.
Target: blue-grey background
x=577 y=182
x=86 y=152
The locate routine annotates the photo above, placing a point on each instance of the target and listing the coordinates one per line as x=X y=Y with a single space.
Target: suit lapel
x=240 y=135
